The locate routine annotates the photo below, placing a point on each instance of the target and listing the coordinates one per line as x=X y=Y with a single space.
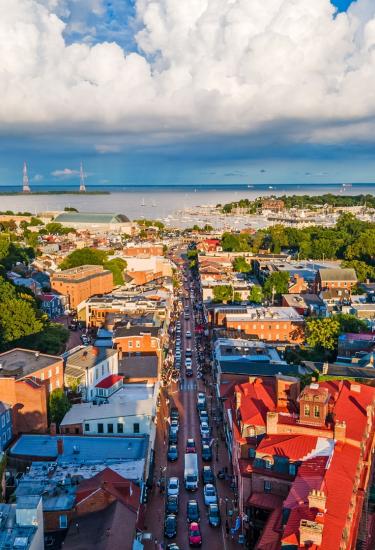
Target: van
x=191 y=472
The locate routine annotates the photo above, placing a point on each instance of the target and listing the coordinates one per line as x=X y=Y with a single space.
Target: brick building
x=26 y=379
x=274 y=324
x=144 y=249
x=303 y=462
x=343 y=278
x=80 y=283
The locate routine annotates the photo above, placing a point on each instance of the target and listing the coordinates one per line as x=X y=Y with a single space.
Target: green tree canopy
x=222 y=293
x=277 y=283
x=93 y=256
x=322 y=334
x=58 y=405
x=350 y=323
x=256 y=294
x=233 y=242
x=241 y=265
x=18 y=318
x=55 y=228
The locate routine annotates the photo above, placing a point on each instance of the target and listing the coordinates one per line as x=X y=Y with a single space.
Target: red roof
x=295 y=447
x=47 y=297
x=257 y=398
x=310 y=476
x=268 y=501
x=108 y=382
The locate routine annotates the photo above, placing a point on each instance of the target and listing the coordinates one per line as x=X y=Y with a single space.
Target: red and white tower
x=25 y=180
x=82 y=186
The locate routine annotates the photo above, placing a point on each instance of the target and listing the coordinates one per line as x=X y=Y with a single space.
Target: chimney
x=310 y=533
x=60 y=446
x=272 y=420
x=238 y=399
x=53 y=428
x=340 y=430
x=36 y=354
x=317 y=499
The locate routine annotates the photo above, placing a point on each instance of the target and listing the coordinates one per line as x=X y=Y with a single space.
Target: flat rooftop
x=265 y=314
x=11 y=534
x=18 y=362
x=81 y=449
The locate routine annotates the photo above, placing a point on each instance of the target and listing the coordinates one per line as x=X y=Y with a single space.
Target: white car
x=173 y=487
x=188 y=334
x=210 y=496
x=205 y=430
x=188 y=362
x=178 y=354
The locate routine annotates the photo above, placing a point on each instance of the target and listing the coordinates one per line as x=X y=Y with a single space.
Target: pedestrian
x=227 y=528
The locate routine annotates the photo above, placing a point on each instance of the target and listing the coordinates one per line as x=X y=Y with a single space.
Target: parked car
x=170 y=526
x=190 y=446
x=195 y=536
x=207 y=475
x=171 y=504
x=209 y=493
x=189 y=371
x=175 y=423
x=214 y=515
x=188 y=352
x=188 y=361
x=206 y=453
x=188 y=334
x=172 y=454
x=192 y=511
x=173 y=486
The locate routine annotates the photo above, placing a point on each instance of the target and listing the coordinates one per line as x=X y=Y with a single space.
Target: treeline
x=351 y=240
x=304 y=201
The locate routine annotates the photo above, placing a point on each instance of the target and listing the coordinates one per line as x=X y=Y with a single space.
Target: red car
x=190 y=446
x=195 y=537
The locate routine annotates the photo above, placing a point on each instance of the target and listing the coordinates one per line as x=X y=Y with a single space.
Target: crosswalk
x=186 y=385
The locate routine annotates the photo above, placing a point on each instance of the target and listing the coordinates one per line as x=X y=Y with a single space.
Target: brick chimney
x=238 y=399
x=340 y=430
x=317 y=499
x=60 y=446
x=310 y=533
x=272 y=420
x=53 y=428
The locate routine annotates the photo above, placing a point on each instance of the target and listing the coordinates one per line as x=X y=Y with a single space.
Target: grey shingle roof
x=85 y=358
x=339 y=274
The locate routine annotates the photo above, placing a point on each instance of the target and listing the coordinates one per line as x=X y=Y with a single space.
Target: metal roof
x=90 y=217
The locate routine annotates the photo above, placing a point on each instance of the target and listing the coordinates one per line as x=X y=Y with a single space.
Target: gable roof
x=339 y=274
x=257 y=398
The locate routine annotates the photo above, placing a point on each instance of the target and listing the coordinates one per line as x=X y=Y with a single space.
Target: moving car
x=188 y=352
x=214 y=515
x=190 y=446
x=189 y=371
x=192 y=511
x=172 y=435
x=171 y=504
x=172 y=454
x=188 y=334
x=209 y=493
x=174 y=414
x=170 y=526
x=173 y=486
x=203 y=416
x=175 y=423
x=206 y=453
x=207 y=475
x=195 y=537
x=205 y=430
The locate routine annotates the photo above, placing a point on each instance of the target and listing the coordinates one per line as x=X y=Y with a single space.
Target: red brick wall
x=97 y=501
x=272 y=330
x=29 y=404
x=52 y=521
x=154 y=250
x=77 y=291
x=132 y=344
x=52 y=377
x=72 y=429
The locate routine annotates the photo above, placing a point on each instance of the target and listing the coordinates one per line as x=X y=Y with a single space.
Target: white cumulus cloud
x=203 y=66
x=65 y=173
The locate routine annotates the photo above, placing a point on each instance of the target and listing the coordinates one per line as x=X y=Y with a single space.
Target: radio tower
x=82 y=186
x=25 y=180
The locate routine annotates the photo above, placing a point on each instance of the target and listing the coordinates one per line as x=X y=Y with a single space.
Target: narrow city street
x=183 y=395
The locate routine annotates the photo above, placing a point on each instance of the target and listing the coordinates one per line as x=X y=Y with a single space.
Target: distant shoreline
x=22 y=194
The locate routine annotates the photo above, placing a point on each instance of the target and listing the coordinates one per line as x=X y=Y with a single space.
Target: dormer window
x=268 y=464
x=292 y=469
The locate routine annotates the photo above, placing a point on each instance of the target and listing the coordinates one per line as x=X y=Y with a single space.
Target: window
x=96 y=373
x=110 y=428
x=277 y=327
x=63 y=521
x=251 y=453
x=267 y=486
x=136 y=427
x=8 y=416
x=57 y=371
x=316 y=412
x=130 y=344
x=102 y=370
x=100 y=428
x=268 y=464
x=42 y=376
x=120 y=428
x=50 y=374
x=307 y=410
x=90 y=377
x=50 y=386
x=138 y=344
x=87 y=427
x=292 y=469
x=262 y=327
x=58 y=384
x=8 y=434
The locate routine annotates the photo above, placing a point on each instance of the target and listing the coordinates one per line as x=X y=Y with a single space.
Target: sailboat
x=143 y=202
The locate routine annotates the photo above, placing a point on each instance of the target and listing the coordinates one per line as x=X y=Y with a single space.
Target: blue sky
x=145 y=92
